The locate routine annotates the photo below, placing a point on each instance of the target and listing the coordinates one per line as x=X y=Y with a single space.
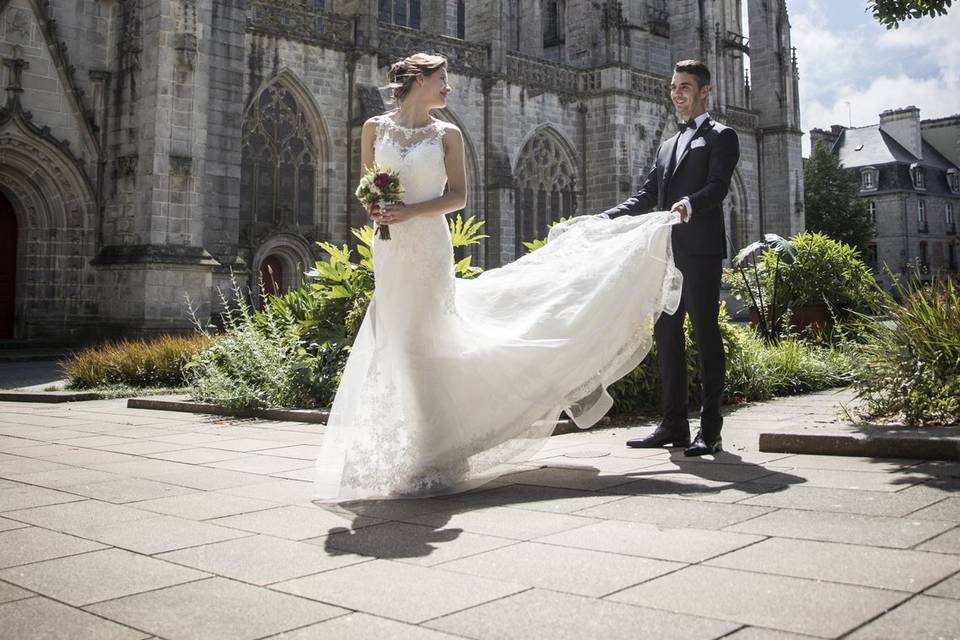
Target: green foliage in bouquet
x=909 y=366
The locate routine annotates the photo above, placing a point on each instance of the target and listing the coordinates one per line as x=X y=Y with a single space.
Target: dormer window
x=868 y=178
x=953 y=179
x=918 y=177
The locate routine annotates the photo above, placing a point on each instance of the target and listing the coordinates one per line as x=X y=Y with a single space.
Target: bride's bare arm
x=456 y=196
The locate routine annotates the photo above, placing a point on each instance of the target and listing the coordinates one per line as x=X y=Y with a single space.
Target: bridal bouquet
x=382 y=186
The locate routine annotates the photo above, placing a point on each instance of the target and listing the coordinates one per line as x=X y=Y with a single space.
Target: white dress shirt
x=683 y=145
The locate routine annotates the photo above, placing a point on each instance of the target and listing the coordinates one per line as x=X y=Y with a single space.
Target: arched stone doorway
x=279 y=265
x=8 y=267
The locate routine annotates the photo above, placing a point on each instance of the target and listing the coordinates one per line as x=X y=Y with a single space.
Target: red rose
x=382 y=180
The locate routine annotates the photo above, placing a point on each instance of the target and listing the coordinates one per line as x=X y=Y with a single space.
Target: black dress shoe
x=703 y=445
x=662 y=437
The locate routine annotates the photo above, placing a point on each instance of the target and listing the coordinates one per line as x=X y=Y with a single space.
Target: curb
x=187 y=406
x=919 y=445
x=51 y=397
x=318 y=416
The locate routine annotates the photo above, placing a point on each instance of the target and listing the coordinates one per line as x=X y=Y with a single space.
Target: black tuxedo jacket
x=703 y=175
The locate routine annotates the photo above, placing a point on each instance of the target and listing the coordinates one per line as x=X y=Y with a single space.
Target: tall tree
x=891 y=13
x=831 y=202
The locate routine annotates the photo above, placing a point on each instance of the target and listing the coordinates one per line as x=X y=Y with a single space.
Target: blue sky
x=845 y=56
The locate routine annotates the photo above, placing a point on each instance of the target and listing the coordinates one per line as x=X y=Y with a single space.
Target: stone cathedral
x=150 y=150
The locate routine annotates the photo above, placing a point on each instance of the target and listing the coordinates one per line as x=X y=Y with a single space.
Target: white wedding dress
x=450 y=380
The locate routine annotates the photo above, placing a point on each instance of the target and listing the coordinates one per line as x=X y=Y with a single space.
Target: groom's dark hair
x=694 y=68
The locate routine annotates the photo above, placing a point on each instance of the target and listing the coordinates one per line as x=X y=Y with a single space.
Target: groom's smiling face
x=689 y=98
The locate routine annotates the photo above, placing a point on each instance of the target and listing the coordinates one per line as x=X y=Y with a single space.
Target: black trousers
x=701 y=299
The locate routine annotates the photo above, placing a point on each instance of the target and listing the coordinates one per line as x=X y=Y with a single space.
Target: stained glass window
x=279 y=161
x=546 y=187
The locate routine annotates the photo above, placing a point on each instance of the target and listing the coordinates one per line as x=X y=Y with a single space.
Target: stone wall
x=167 y=84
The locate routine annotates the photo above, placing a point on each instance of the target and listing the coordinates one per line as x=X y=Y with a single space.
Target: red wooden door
x=271 y=272
x=8 y=266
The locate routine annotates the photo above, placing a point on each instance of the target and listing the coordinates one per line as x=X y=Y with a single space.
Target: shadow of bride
x=379 y=529
x=416 y=528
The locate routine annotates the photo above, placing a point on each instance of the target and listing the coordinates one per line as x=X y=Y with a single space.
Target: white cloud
x=873 y=69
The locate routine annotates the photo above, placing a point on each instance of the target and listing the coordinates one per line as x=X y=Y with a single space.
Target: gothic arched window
x=405 y=13
x=279 y=161
x=546 y=187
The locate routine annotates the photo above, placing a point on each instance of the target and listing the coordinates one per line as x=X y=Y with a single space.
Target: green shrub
x=756 y=370
x=155 y=362
x=257 y=362
x=306 y=333
x=909 y=367
x=823 y=271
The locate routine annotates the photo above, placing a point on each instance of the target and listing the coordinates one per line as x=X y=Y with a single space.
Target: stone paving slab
x=416 y=544
x=547 y=567
x=360 y=626
x=648 y=541
x=920 y=618
x=877 y=531
x=33 y=544
x=504 y=522
x=158 y=534
x=294 y=522
x=8 y=525
x=400 y=591
x=893 y=569
x=948 y=510
x=822 y=609
x=127 y=490
x=949 y=588
x=204 y=505
x=96 y=576
x=262 y=560
x=9 y=593
x=822 y=499
x=590 y=539
x=949 y=542
x=23 y=496
x=215 y=609
x=544 y=614
x=71 y=517
x=44 y=618
x=675 y=514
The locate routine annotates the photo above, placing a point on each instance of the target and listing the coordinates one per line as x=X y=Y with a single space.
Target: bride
x=449 y=380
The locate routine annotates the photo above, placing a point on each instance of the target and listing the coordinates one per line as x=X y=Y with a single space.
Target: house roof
x=867 y=146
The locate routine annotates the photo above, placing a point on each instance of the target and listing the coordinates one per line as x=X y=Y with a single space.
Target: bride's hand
x=395 y=214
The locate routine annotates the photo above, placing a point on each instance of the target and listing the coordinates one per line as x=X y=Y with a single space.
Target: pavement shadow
x=428 y=517
x=724 y=471
x=362 y=538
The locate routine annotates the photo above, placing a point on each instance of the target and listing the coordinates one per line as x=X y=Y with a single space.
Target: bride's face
x=434 y=89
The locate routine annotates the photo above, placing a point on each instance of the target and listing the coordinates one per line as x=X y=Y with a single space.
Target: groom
x=691 y=176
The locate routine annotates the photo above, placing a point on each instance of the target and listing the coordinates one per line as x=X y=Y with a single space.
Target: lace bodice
x=416 y=153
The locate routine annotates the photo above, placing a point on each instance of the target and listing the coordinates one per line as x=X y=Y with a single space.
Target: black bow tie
x=689 y=124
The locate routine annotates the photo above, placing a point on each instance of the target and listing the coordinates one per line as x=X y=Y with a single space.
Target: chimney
x=828 y=138
x=903 y=125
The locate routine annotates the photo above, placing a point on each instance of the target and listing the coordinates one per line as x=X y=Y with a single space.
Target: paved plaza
x=118 y=523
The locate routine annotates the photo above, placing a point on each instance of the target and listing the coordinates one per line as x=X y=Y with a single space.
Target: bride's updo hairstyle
x=405 y=72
